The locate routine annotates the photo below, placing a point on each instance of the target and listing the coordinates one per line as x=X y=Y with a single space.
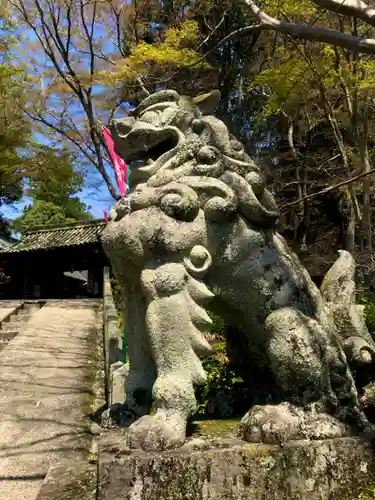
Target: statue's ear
x=207 y=103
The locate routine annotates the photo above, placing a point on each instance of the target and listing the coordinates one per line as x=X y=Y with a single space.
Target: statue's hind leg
x=142 y=373
x=171 y=319
x=310 y=368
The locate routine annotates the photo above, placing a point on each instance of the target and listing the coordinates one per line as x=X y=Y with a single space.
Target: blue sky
x=99 y=201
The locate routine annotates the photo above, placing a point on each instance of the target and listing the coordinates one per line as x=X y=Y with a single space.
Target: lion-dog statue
x=197 y=233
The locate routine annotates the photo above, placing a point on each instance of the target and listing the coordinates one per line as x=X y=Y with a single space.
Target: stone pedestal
x=338 y=469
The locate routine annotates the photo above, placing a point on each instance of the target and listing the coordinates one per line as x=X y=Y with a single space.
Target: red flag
x=106 y=217
x=119 y=164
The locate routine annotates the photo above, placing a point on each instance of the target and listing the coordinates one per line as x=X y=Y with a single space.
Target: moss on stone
x=95 y=396
x=339 y=469
x=354 y=494
x=217 y=428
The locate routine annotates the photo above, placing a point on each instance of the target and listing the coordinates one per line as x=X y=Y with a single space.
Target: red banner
x=119 y=164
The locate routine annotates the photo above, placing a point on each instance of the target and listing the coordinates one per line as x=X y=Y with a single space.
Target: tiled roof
x=4 y=243
x=64 y=235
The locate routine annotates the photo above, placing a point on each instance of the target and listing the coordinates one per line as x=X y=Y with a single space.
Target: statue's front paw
x=157 y=433
x=269 y=424
x=275 y=424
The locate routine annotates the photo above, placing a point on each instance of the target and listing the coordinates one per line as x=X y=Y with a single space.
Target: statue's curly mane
x=207 y=168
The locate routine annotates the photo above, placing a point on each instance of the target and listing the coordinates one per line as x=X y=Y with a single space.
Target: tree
x=100 y=55
x=175 y=45
x=78 y=40
x=54 y=193
x=15 y=127
x=318 y=110
x=14 y=130
x=271 y=65
x=63 y=97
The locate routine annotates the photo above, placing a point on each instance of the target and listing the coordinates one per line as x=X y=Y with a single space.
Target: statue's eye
x=152 y=117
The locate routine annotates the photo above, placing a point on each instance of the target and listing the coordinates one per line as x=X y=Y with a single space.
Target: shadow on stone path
x=45 y=392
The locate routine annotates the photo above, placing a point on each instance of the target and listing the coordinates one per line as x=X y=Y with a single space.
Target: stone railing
x=113 y=346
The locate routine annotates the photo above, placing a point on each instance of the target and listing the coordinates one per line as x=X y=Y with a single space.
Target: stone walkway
x=45 y=391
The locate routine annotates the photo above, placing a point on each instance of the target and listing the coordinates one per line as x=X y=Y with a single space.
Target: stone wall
x=337 y=469
x=113 y=338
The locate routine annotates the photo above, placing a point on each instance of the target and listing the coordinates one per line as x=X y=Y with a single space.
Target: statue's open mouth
x=152 y=152
x=142 y=144
x=145 y=147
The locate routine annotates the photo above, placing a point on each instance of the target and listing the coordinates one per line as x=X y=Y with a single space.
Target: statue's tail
x=338 y=290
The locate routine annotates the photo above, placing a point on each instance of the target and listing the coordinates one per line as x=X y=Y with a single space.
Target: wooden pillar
x=90 y=281
x=95 y=281
x=26 y=287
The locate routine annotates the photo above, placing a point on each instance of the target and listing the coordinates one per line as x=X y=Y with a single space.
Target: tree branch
x=235 y=35
x=305 y=31
x=117 y=15
x=142 y=86
x=56 y=42
x=39 y=118
x=210 y=35
x=330 y=188
x=89 y=33
x=350 y=8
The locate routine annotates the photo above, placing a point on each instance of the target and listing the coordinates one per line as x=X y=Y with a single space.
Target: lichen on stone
x=198 y=233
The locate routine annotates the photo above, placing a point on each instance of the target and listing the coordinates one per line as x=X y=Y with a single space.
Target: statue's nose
x=123 y=126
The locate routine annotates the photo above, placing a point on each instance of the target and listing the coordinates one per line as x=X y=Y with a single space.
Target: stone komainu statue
x=197 y=233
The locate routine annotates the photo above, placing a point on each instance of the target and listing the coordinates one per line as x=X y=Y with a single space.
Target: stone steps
x=3 y=345
x=19 y=318
x=6 y=337
x=13 y=324
x=30 y=308
x=25 y=313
